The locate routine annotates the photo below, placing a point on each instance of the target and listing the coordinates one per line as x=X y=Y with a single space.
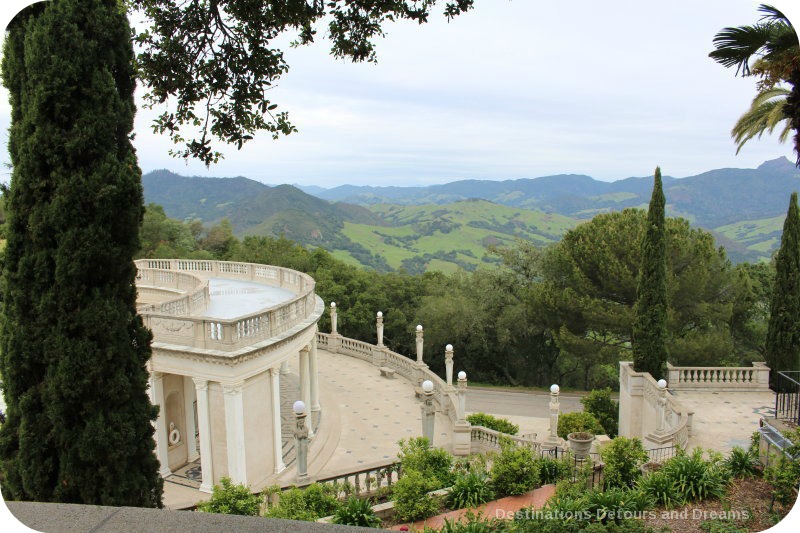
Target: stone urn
x=580 y=443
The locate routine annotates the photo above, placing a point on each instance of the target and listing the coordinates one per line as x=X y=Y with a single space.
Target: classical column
x=379 y=327
x=301 y=441
x=204 y=423
x=277 y=430
x=314 y=376
x=428 y=411
x=421 y=366
x=234 y=431
x=305 y=384
x=462 y=396
x=448 y=365
x=662 y=406
x=553 y=439
x=191 y=429
x=157 y=398
x=285 y=368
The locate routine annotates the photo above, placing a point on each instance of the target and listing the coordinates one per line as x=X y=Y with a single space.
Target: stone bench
x=386 y=371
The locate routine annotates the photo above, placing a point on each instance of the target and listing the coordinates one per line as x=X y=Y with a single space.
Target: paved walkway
x=503 y=508
x=723 y=420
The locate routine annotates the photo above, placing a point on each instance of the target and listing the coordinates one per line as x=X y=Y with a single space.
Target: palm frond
x=767 y=111
x=772 y=13
x=736 y=46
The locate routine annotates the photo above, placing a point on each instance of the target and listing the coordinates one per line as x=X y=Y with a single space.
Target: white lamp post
x=462 y=395
x=448 y=365
x=379 y=326
x=428 y=410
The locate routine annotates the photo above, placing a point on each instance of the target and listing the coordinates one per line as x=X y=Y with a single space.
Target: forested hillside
x=555 y=313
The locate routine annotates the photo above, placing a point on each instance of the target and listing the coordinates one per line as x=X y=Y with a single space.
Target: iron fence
x=787 y=396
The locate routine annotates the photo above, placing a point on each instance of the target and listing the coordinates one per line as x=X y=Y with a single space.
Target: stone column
x=191 y=429
x=204 y=423
x=234 y=431
x=285 y=368
x=301 y=442
x=553 y=439
x=305 y=384
x=448 y=365
x=462 y=430
x=379 y=327
x=314 y=376
x=157 y=398
x=277 y=433
x=421 y=366
x=428 y=411
x=462 y=396
x=662 y=406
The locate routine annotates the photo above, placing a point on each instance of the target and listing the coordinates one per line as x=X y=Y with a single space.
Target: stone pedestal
x=462 y=438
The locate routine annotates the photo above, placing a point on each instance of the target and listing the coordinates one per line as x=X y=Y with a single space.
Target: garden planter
x=580 y=443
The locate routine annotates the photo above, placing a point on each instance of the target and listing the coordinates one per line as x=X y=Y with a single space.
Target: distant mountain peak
x=780 y=163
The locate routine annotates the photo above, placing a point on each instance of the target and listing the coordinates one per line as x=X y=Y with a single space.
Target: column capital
x=157 y=376
x=232 y=387
x=200 y=383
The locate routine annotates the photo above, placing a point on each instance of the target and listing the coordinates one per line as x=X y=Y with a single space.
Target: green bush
x=228 y=498
x=623 y=458
x=662 y=489
x=741 y=462
x=356 y=512
x=695 y=478
x=722 y=526
x=784 y=475
x=470 y=490
x=436 y=464
x=309 y=504
x=615 y=504
x=292 y=506
x=474 y=523
x=552 y=470
x=604 y=409
x=492 y=422
x=579 y=421
x=411 y=500
x=514 y=470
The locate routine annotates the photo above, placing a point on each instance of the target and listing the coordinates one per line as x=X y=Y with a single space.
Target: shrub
x=741 y=463
x=662 y=489
x=470 y=490
x=418 y=455
x=292 y=506
x=784 y=475
x=580 y=421
x=604 y=409
x=474 y=523
x=411 y=500
x=492 y=422
x=722 y=526
x=228 y=498
x=623 y=458
x=320 y=499
x=696 y=479
x=514 y=470
x=552 y=470
x=616 y=504
x=356 y=512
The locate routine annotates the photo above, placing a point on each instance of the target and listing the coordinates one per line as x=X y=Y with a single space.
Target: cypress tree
x=783 y=333
x=79 y=421
x=650 y=311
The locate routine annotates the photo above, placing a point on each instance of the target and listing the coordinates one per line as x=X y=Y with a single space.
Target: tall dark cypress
x=73 y=348
x=783 y=333
x=649 y=338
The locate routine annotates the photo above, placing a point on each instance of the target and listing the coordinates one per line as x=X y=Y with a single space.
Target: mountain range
x=448 y=226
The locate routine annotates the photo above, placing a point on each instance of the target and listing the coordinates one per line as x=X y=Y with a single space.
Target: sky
x=513 y=89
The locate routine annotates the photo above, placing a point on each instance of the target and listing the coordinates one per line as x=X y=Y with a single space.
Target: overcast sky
x=513 y=89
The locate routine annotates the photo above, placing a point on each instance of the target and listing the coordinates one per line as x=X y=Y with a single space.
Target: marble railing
x=487 y=439
x=402 y=365
x=719 y=378
x=193 y=294
x=172 y=326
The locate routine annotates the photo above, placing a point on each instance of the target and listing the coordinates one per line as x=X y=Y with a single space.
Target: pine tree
x=79 y=421
x=650 y=312
x=783 y=333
